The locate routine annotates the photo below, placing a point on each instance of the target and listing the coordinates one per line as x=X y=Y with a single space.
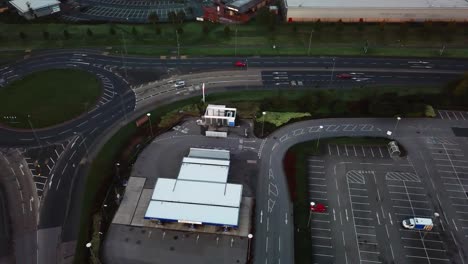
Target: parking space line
x=346 y=148
x=410 y=256
x=355 y=153
x=381 y=154
x=363 y=152
x=372 y=151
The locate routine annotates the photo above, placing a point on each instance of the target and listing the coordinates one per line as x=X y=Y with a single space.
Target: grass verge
x=252 y=39
x=44 y=95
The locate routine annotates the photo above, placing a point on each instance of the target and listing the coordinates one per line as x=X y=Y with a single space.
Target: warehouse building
x=31 y=9
x=375 y=10
x=200 y=194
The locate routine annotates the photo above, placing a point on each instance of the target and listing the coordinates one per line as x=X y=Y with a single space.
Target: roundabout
x=43 y=95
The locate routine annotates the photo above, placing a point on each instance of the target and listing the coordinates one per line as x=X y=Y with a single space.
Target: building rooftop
x=209 y=153
x=22 y=5
x=398 y=4
x=197 y=192
x=208 y=170
x=193 y=213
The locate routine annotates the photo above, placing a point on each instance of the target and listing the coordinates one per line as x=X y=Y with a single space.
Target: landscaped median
x=47 y=98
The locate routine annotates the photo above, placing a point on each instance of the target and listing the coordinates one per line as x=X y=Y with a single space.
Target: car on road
x=179 y=84
x=344 y=76
x=240 y=64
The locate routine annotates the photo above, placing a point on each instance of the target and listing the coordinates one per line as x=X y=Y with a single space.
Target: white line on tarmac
x=64 y=168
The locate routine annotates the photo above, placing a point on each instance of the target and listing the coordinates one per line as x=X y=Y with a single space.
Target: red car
x=344 y=76
x=240 y=64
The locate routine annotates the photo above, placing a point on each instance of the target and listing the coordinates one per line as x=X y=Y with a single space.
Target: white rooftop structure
x=38 y=7
x=197 y=170
x=193 y=213
x=376 y=10
x=220 y=115
x=400 y=4
x=200 y=194
x=209 y=153
x=197 y=192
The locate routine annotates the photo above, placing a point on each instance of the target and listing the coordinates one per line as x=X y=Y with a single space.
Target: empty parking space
x=452 y=168
x=323 y=250
x=345 y=150
x=363 y=214
x=452 y=115
x=409 y=199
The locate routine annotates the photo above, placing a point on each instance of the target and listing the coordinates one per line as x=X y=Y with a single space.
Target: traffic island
x=48 y=98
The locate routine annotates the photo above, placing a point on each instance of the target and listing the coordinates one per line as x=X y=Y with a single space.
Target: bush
x=112 y=31
x=227 y=31
x=45 y=35
x=22 y=35
x=134 y=31
x=66 y=34
x=89 y=32
x=429 y=111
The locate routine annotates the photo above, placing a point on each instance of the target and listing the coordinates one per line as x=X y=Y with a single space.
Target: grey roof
x=399 y=4
x=197 y=192
x=193 y=213
x=209 y=153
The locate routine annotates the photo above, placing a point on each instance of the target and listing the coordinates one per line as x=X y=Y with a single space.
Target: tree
x=227 y=31
x=308 y=103
x=45 y=35
x=112 y=30
x=172 y=17
x=461 y=89
x=22 y=35
x=403 y=31
x=66 y=34
x=153 y=18
x=266 y=18
x=89 y=32
x=339 y=26
x=180 y=30
x=134 y=31
x=180 y=16
x=158 y=30
x=206 y=29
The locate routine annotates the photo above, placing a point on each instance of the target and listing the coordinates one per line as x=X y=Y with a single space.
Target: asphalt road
x=61 y=203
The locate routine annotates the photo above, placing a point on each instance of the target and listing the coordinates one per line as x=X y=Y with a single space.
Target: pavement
x=61 y=200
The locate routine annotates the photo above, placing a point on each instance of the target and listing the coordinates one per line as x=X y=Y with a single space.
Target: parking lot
x=452 y=168
x=367 y=195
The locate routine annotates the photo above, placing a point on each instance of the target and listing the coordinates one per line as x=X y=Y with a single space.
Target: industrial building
x=375 y=10
x=200 y=194
x=31 y=9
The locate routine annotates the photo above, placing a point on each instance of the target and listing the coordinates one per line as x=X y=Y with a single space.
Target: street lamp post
x=178 y=46
x=263 y=121
x=34 y=131
x=312 y=204
x=318 y=140
x=396 y=125
x=235 y=47
x=125 y=49
x=310 y=42
x=89 y=245
x=333 y=71
x=249 y=236
x=151 y=126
